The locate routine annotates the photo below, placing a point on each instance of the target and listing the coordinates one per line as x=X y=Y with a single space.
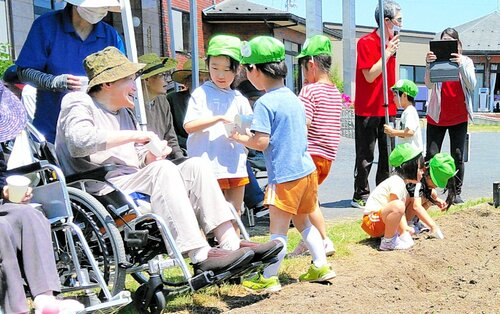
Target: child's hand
x=388 y=130
x=235 y=135
x=224 y=119
x=441 y=204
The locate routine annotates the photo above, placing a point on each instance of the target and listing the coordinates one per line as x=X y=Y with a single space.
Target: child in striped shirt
x=323 y=105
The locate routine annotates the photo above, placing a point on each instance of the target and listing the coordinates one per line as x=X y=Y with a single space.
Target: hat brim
x=115 y=74
x=13 y=116
x=167 y=66
x=112 y=5
x=180 y=76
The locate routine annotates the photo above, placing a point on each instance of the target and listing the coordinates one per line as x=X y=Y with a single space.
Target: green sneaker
x=260 y=284
x=315 y=274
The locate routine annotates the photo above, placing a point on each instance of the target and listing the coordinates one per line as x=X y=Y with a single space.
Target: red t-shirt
x=453 y=106
x=369 y=100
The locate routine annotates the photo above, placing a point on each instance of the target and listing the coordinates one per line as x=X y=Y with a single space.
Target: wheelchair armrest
x=34 y=167
x=98 y=174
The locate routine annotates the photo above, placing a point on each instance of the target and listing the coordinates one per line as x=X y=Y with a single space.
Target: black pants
x=369 y=130
x=458 y=133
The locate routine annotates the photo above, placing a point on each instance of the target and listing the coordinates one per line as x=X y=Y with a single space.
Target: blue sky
x=418 y=15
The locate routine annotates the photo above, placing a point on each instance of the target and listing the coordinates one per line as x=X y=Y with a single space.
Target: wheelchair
x=78 y=245
x=147 y=246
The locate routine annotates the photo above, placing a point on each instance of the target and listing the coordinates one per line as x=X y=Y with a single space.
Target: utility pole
x=348 y=45
x=314 y=18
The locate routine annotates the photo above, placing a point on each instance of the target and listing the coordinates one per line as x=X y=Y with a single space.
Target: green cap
x=155 y=65
x=402 y=153
x=225 y=45
x=442 y=168
x=108 y=65
x=262 y=49
x=315 y=46
x=406 y=86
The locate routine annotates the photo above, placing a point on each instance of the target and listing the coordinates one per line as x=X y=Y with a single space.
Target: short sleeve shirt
x=281 y=114
x=323 y=106
x=369 y=100
x=228 y=158
x=410 y=120
x=53 y=47
x=380 y=196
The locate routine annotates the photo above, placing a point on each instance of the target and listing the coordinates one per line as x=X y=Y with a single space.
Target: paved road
x=481 y=171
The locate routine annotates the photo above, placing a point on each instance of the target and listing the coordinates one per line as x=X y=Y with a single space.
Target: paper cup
x=155 y=146
x=85 y=83
x=17 y=186
x=229 y=128
x=243 y=121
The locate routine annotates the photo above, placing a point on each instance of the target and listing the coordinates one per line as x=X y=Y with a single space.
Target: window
x=413 y=73
x=44 y=6
x=294 y=76
x=182 y=30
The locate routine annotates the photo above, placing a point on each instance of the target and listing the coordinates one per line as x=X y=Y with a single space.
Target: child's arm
x=440 y=202
x=423 y=215
x=400 y=133
x=259 y=140
x=201 y=124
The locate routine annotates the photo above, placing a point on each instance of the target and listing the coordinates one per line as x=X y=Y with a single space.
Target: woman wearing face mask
x=52 y=55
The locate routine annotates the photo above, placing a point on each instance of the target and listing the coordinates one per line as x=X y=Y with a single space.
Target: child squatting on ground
x=279 y=130
x=439 y=171
x=212 y=106
x=323 y=105
x=405 y=92
x=384 y=214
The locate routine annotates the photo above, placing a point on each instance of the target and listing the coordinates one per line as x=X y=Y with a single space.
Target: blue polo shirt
x=54 y=47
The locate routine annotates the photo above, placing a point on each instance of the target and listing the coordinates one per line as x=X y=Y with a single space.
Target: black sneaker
x=263 y=251
x=458 y=200
x=220 y=260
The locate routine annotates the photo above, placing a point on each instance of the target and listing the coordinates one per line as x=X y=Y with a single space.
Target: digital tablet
x=443 y=49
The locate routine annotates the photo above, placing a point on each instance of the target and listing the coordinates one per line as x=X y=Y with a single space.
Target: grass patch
x=483 y=128
x=222 y=298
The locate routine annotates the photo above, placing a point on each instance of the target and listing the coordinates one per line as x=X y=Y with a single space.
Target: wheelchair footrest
x=112 y=306
x=202 y=280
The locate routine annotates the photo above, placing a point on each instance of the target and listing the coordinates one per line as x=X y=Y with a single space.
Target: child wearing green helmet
x=279 y=131
x=437 y=173
x=211 y=109
x=384 y=214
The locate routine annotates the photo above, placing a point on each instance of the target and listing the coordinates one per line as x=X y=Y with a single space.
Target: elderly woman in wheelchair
x=25 y=235
x=96 y=128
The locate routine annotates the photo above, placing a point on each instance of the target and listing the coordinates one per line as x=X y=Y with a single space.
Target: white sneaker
x=406 y=238
x=394 y=243
x=329 y=248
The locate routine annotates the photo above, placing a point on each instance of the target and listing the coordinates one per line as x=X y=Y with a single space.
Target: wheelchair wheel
x=103 y=238
x=156 y=304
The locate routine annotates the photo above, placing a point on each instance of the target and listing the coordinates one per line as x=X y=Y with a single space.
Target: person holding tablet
x=449 y=108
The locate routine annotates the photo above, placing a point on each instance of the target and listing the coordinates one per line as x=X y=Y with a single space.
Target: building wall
x=22 y=18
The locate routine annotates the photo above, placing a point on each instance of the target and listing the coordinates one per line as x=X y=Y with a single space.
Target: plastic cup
x=229 y=128
x=155 y=146
x=17 y=186
x=243 y=121
x=85 y=83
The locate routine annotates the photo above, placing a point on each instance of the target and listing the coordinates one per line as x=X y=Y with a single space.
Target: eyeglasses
x=399 y=20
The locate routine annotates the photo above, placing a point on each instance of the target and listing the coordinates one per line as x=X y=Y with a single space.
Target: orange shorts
x=229 y=183
x=323 y=166
x=374 y=229
x=295 y=197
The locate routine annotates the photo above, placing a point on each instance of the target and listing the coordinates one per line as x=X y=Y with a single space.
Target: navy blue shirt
x=54 y=47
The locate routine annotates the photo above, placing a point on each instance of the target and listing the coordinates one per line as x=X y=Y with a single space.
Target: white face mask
x=92 y=15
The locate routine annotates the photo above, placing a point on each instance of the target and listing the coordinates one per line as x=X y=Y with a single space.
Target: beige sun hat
x=180 y=76
x=108 y=65
x=113 y=5
x=156 y=65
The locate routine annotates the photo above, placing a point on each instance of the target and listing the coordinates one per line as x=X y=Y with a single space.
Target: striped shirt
x=323 y=106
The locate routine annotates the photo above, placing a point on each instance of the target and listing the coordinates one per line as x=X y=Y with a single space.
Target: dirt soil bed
x=460 y=274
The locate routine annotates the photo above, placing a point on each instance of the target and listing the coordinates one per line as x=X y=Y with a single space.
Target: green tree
x=335 y=77
x=5 y=58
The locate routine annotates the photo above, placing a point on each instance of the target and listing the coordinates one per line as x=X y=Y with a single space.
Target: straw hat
x=180 y=76
x=12 y=114
x=156 y=65
x=113 y=5
x=108 y=65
